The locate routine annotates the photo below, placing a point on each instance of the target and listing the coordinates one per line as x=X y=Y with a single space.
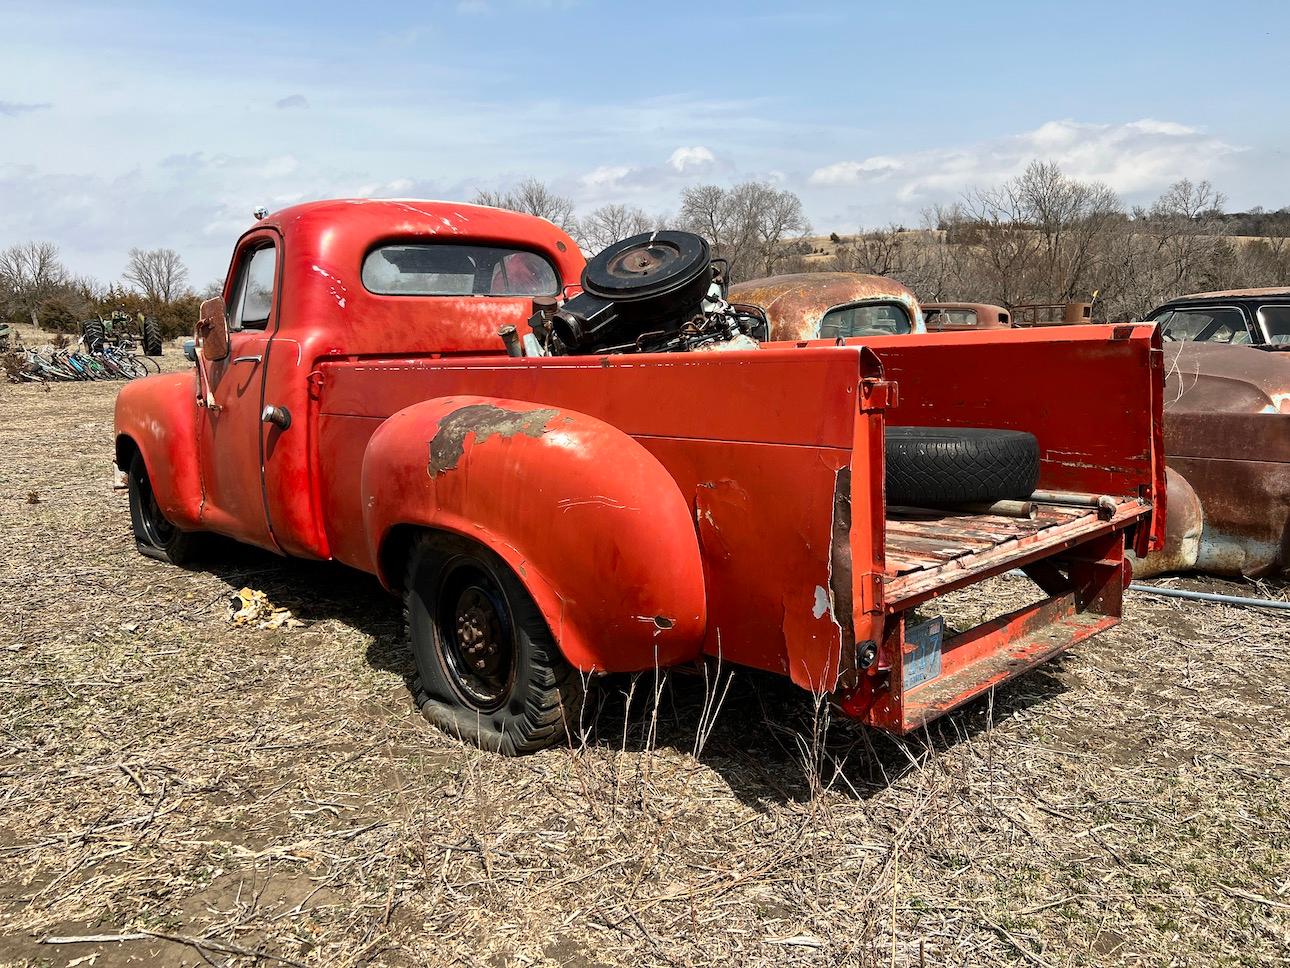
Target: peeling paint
x=821 y=606
x=483 y=420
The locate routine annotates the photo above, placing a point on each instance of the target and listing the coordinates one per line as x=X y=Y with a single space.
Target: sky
x=141 y=124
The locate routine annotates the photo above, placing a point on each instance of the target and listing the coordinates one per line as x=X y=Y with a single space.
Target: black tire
x=92 y=335
x=152 y=342
x=154 y=536
x=488 y=669
x=950 y=465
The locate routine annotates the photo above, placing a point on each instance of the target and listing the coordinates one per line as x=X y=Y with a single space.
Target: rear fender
x=158 y=417
x=591 y=523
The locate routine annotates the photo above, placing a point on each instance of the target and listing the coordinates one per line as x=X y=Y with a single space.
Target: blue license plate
x=923 y=661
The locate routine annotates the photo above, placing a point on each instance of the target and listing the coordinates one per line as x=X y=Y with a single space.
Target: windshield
x=870 y=319
x=448 y=269
x=1219 y=324
x=1275 y=321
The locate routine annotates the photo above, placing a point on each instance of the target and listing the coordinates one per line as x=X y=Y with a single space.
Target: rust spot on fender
x=483 y=420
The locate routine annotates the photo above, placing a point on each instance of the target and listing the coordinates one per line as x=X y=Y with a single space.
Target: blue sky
x=167 y=124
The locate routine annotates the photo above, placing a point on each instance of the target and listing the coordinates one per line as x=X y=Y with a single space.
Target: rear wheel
x=152 y=342
x=488 y=669
x=92 y=335
x=154 y=536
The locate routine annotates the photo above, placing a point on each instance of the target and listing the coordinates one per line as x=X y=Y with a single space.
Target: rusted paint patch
x=840 y=601
x=484 y=420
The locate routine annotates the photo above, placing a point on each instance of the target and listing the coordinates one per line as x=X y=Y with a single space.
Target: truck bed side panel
x=755 y=441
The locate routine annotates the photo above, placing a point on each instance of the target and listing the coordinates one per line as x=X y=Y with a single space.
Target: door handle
x=280 y=417
x=247 y=359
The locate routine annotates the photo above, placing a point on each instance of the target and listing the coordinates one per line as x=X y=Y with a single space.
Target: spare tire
x=152 y=342
x=959 y=465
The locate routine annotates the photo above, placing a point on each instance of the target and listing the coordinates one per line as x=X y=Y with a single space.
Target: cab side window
x=253 y=295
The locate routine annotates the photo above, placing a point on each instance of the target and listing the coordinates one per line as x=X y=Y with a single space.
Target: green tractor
x=121 y=330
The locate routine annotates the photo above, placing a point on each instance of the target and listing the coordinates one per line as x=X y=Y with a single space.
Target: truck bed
x=934 y=552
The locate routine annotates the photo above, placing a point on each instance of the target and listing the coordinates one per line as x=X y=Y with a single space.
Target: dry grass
x=227 y=795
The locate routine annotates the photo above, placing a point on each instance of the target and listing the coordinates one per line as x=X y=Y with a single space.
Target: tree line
x=36 y=287
x=1041 y=237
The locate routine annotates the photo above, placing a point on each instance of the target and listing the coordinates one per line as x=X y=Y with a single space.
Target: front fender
x=158 y=416
x=593 y=525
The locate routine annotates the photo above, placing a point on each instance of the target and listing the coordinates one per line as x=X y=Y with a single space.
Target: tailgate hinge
x=877 y=394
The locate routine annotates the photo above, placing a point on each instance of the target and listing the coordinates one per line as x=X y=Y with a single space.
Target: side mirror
x=212 y=329
x=190 y=350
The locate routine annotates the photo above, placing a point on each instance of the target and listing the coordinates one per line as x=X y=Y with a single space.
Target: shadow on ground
x=769 y=740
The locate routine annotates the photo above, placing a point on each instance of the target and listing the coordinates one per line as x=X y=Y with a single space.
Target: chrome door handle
x=247 y=359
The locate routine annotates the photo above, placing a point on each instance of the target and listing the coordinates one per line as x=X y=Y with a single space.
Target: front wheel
x=488 y=668
x=154 y=536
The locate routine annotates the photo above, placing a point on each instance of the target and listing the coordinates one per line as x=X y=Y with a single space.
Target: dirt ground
x=216 y=793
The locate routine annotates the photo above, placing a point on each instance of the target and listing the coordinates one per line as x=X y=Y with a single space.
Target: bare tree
x=30 y=273
x=609 y=223
x=754 y=226
x=533 y=198
x=882 y=252
x=157 y=273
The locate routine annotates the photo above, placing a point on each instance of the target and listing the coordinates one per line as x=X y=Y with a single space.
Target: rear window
x=959 y=317
x=447 y=269
x=869 y=319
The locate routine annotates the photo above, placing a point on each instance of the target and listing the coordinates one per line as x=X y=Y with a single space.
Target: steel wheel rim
x=476 y=636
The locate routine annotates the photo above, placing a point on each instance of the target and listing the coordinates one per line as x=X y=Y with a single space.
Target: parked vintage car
x=1227 y=437
x=396 y=385
x=943 y=317
x=828 y=305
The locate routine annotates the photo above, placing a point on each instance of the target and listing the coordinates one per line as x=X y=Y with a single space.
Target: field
x=211 y=792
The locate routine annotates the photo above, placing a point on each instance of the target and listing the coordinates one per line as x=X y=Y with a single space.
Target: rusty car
x=531 y=450
x=966 y=316
x=828 y=305
x=1227 y=433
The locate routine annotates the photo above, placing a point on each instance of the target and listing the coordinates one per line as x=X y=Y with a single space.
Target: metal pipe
x=1209 y=596
x=1076 y=498
x=1006 y=509
x=511 y=340
x=1104 y=504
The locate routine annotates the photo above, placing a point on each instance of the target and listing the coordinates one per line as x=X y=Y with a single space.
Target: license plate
x=923 y=660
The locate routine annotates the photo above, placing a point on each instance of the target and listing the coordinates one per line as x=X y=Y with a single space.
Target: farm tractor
x=122 y=329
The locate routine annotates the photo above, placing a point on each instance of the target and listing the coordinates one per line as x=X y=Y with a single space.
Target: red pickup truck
x=595 y=493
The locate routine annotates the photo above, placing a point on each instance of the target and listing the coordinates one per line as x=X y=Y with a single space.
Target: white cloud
x=853 y=172
x=1131 y=157
x=606 y=177
x=291 y=101
x=695 y=157
x=12 y=109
